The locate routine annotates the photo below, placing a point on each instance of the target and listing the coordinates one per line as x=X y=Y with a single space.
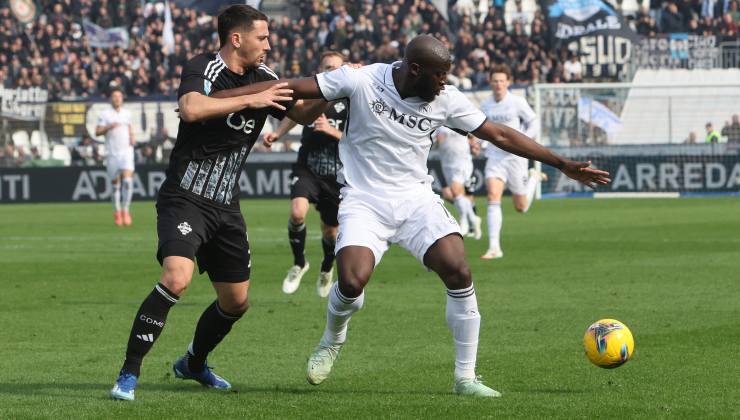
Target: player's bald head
x=427 y=62
x=427 y=50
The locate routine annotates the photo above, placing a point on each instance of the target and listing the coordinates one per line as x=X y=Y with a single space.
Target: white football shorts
x=117 y=163
x=414 y=222
x=458 y=173
x=512 y=170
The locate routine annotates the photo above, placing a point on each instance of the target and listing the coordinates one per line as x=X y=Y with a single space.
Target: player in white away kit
x=504 y=169
x=388 y=198
x=457 y=169
x=115 y=124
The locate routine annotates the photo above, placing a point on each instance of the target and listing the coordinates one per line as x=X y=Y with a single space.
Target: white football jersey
x=387 y=141
x=512 y=111
x=117 y=140
x=454 y=150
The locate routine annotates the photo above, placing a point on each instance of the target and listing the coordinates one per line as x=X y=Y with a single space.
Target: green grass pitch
x=670 y=269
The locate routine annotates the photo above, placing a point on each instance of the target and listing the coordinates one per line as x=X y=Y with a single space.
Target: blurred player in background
x=115 y=124
x=314 y=181
x=387 y=196
x=505 y=169
x=457 y=169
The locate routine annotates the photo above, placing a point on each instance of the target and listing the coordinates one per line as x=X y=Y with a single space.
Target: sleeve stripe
x=485 y=119
x=216 y=71
x=208 y=67
x=316 y=77
x=269 y=71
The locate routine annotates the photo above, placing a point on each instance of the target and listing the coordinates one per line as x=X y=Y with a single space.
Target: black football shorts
x=322 y=192
x=216 y=237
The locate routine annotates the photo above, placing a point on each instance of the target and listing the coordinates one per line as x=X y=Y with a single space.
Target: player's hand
x=354 y=65
x=271 y=97
x=585 y=174
x=322 y=124
x=269 y=138
x=474 y=147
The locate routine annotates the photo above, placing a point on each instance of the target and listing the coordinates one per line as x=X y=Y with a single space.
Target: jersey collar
x=388 y=81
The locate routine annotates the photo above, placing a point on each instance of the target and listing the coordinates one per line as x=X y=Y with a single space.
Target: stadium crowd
x=698 y=17
x=52 y=52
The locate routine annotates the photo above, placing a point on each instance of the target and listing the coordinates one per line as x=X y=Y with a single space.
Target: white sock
x=464 y=322
x=339 y=311
x=127 y=191
x=532 y=183
x=495 y=220
x=464 y=208
x=116 y=196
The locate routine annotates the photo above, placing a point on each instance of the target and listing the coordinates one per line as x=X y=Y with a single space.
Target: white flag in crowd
x=105 y=38
x=598 y=114
x=168 y=35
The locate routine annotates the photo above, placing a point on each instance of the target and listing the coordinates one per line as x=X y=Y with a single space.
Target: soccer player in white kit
x=505 y=169
x=388 y=198
x=457 y=169
x=115 y=124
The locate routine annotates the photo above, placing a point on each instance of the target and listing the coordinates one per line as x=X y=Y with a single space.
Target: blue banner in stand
x=700 y=174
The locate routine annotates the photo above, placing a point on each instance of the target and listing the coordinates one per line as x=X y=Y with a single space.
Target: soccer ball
x=608 y=343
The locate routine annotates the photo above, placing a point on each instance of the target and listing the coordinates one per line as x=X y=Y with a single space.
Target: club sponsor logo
x=380 y=108
x=184 y=228
x=247 y=126
x=151 y=321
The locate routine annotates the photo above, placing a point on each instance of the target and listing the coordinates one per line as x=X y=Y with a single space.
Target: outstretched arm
x=304 y=112
x=514 y=142
x=303 y=88
x=194 y=106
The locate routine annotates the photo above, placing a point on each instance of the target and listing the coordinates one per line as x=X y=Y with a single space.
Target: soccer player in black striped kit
x=314 y=180
x=198 y=214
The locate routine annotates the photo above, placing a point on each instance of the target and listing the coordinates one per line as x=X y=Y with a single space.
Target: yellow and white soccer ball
x=608 y=343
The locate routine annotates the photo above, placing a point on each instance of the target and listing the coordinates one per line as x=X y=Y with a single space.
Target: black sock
x=212 y=327
x=297 y=237
x=148 y=324
x=328 y=245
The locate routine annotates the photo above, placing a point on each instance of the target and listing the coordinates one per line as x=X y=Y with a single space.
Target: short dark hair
x=501 y=68
x=237 y=16
x=116 y=89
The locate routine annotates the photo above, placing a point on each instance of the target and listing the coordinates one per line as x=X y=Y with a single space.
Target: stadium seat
x=20 y=139
x=61 y=152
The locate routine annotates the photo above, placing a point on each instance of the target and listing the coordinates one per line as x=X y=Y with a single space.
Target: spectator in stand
x=727 y=27
x=735 y=10
x=145 y=155
x=691 y=139
x=712 y=134
x=85 y=153
x=732 y=130
x=573 y=69
x=670 y=20
x=7 y=159
x=22 y=159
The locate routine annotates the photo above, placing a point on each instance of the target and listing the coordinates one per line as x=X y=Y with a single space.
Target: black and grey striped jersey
x=319 y=152
x=207 y=160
